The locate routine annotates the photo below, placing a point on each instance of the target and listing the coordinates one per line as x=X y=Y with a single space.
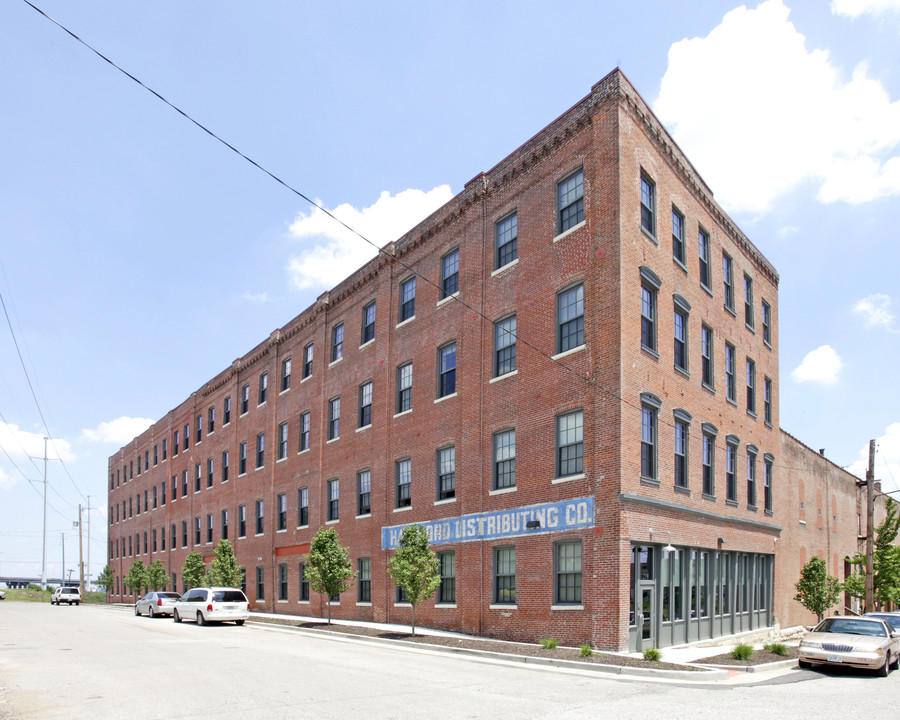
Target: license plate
x=836 y=658
x=228 y=607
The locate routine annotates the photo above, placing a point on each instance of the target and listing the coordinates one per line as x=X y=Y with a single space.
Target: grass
x=652 y=654
x=742 y=651
x=35 y=594
x=777 y=648
x=548 y=643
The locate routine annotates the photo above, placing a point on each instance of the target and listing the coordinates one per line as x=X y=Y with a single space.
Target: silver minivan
x=212 y=604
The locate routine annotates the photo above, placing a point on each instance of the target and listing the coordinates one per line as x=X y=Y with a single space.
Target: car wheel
x=77 y=603
x=175 y=616
x=200 y=619
x=151 y=613
x=238 y=622
x=803 y=664
x=885 y=669
x=136 y=611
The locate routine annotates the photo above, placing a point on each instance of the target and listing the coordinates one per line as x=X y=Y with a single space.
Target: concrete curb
x=777 y=665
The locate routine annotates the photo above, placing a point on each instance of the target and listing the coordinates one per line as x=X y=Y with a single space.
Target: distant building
x=569 y=373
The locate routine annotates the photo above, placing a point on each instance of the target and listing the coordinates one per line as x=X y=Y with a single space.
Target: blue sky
x=139 y=257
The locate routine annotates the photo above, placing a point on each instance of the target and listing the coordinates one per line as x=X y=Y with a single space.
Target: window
x=731 y=469
x=767 y=400
x=649 y=410
x=706 y=355
x=728 y=280
x=245 y=399
x=648 y=205
x=568 y=572
x=408 y=299
x=304 y=584
x=184 y=483
x=242 y=521
x=187 y=436
x=570 y=443
x=446 y=592
x=282 y=440
x=242 y=458
x=334 y=493
x=505 y=459
x=505 y=346
x=285 y=374
x=368 y=323
x=751 y=476
x=197 y=475
x=767 y=323
x=184 y=535
x=304 y=431
x=337 y=342
x=681 y=338
x=570 y=200
x=751 y=386
x=263 y=387
x=210 y=421
x=730 y=374
x=155 y=492
x=768 y=463
x=403 y=473
x=450 y=274
x=153 y=546
x=209 y=528
x=303 y=507
x=365 y=404
x=281 y=503
x=748 y=300
x=174 y=536
x=570 y=318
x=446 y=473
x=703 y=247
x=165 y=444
x=447 y=370
x=650 y=284
x=505 y=576
x=681 y=452
x=364 y=492
x=364 y=580
x=226 y=413
x=199 y=431
x=209 y=472
x=174 y=490
x=677 y=235
x=507 y=233
x=260 y=450
x=162 y=497
x=175 y=444
x=282 y=582
x=224 y=524
x=709 y=449
x=307 y=360
x=404 y=387
x=334 y=418
x=225 y=455
x=196 y=531
x=260 y=583
x=155 y=462
x=260 y=517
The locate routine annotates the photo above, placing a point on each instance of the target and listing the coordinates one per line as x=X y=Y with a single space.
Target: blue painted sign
x=516 y=522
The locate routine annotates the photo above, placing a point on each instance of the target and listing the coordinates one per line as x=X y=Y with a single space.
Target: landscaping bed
x=759 y=657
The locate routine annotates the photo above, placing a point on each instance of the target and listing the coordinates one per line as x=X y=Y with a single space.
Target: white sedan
x=156 y=603
x=862 y=642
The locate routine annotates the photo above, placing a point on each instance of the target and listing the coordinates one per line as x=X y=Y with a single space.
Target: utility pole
x=870 y=530
x=89 y=543
x=62 y=538
x=44 y=548
x=80 y=556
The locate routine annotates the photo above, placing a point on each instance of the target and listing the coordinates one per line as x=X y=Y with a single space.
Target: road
x=97 y=662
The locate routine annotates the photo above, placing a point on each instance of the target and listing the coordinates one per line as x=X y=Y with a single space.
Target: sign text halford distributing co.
x=544 y=518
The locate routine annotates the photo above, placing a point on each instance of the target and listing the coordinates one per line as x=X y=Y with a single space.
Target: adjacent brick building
x=569 y=373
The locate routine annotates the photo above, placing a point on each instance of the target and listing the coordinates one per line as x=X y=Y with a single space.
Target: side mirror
x=895 y=634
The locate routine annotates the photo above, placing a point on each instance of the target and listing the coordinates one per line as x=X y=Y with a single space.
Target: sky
x=139 y=256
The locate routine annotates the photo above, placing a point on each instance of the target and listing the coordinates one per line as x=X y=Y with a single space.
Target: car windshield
x=168 y=595
x=228 y=596
x=852 y=626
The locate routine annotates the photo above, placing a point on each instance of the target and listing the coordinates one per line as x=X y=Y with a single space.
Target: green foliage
x=224 y=570
x=136 y=578
x=548 y=643
x=742 y=651
x=415 y=567
x=652 y=654
x=885 y=563
x=586 y=650
x=36 y=588
x=193 y=572
x=106 y=580
x=328 y=568
x=817 y=590
x=155 y=577
x=776 y=648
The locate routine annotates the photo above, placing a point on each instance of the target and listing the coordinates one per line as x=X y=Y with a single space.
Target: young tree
x=155 y=577
x=328 y=568
x=223 y=569
x=817 y=590
x=193 y=572
x=415 y=567
x=136 y=577
x=106 y=580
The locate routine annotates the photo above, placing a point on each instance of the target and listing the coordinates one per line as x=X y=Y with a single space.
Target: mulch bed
x=759 y=657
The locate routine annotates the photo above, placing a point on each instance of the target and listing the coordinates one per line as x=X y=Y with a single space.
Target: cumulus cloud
x=887 y=459
x=855 y=8
x=822 y=365
x=875 y=310
x=22 y=445
x=6 y=480
x=787 y=117
x=333 y=252
x=118 y=431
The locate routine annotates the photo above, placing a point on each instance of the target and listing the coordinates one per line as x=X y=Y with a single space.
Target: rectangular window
x=364 y=492
x=767 y=322
x=446 y=473
x=245 y=399
x=260 y=583
x=260 y=450
x=304 y=431
x=767 y=484
x=226 y=412
x=450 y=274
x=187 y=436
x=162 y=495
x=282 y=440
x=184 y=534
x=334 y=493
x=198 y=429
x=303 y=507
x=730 y=373
x=196 y=531
x=307 y=360
x=364 y=580
x=681 y=337
x=404 y=387
x=677 y=235
x=767 y=400
x=155 y=461
x=730 y=473
x=282 y=582
x=281 y=503
x=242 y=521
x=751 y=479
x=703 y=248
x=748 y=300
x=334 y=418
x=568 y=573
x=209 y=472
x=165 y=445
x=174 y=536
x=708 y=465
x=285 y=374
x=365 y=404
x=570 y=318
x=260 y=517
x=505 y=576
x=242 y=458
x=209 y=528
x=225 y=466
x=162 y=539
x=751 y=386
x=224 y=524
x=706 y=355
x=505 y=459
x=368 y=323
x=728 y=280
x=403 y=473
x=153 y=546
x=304 y=584
x=681 y=457
x=174 y=490
x=447 y=370
x=155 y=491
x=570 y=200
x=648 y=205
x=198 y=473
x=648 y=317
x=446 y=592
x=570 y=443
x=211 y=420
x=175 y=443
x=506 y=234
x=648 y=442
x=263 y=387
x=505 y=346
x=337 y=342
x=184 y=483
x=408 y=299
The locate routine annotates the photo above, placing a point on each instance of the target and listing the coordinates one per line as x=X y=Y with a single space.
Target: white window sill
x=302 y=527
x=303 y=380
x=402 y=604
x=446 y=397
x=503 y=607
x=570 y=231
x=303 y=602
x=567 y=478
x=401 y=414
x=403 y=509
x=364 y=515
x=332 y=522
x=305 y=450
x=561 y=355
x=365 y=345
x=335 y=362
x=445 y=606
x=328 y=442
x=503 y=377
x=567 y=607
x=404 y=322
x=364 y=427
x=278 y=532
x=444 y=301
x=363 y=604
x=505 y=267
x=504 y=491
x=445 y=501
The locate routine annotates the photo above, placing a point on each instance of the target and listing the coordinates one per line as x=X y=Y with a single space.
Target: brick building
x=584 y=413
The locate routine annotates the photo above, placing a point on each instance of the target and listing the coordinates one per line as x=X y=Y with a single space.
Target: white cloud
x=887 y=459
x=336 y=252
x=875 y=310
x=759 y=114
x=6 y=480
x=822 y=365
x=258 y=298
x=787 y=231
x=22 y=445
x=855 y=8
x=118 y=431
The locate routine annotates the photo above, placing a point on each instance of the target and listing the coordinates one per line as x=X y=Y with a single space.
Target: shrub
x=586 y=650
x=777 y=648
x=652 y=654
x=742 y=651
x=548 y=643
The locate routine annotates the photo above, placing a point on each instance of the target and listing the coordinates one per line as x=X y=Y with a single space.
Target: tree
x=136 y=577
x=328 y=568
x=193 y=572
x=817 y=590
x=415 y=567
x=885 y=563
x=106 y=580
x=224 y=569
x=155 y=577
